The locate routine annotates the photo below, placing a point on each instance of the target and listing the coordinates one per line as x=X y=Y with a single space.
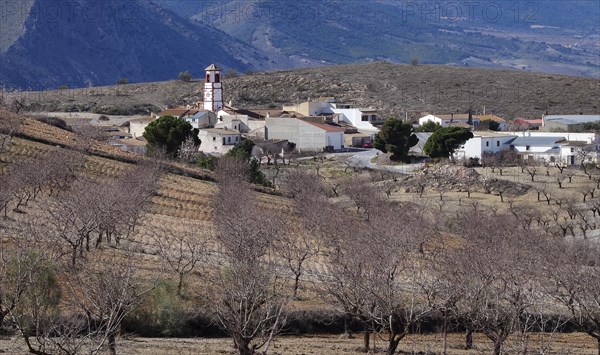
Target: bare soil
x=572 y=344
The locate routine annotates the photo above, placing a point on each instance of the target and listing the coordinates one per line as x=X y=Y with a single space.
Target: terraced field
x=182 y=203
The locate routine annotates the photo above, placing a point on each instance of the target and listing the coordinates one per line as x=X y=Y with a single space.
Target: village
x=325 y=125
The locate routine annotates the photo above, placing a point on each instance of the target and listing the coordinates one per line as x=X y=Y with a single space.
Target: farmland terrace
x=178 y=241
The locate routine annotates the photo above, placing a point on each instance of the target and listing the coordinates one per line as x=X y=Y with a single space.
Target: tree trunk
x=243 y=345
x=497 y=347
x=366 y=340
x=74 y=255
x=347 y=332
x=180 y=284
x=469 y=340
x=296 y=285
x=445 y=332
x=393 y=346
x=112 y=343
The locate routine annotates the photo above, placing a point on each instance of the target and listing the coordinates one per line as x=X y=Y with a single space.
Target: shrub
x=185 y=76
x=168 y=133
x=206 y=161
x=161 y=315
x=230 y=74
x=122 y=80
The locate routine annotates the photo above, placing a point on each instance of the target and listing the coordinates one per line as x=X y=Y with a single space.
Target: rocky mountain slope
x=538 y=35
x=89 y=42
x=398 y=90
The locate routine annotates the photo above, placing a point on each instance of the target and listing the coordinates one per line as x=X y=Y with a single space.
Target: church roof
x=212 y=67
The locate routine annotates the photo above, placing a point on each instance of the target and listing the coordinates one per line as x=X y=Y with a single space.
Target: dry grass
x=561 y=344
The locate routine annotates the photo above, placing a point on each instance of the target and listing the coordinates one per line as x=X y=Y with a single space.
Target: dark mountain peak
x=81 y=42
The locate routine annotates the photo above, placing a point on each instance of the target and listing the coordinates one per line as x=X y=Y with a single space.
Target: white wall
x=428 y=118
x=213 y=142
x=136 y=129
x=304 y=135
x=354 y=117
x=336 y=139
x=476 y=146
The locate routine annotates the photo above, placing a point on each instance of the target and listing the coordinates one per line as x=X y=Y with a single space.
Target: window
x=217 y=77
x=487 y=144
x=214 y=138
x=365 y=118
x=208 y=77
x=527 y=147
x=236 y=138
x=228 y=139
x=497 y=143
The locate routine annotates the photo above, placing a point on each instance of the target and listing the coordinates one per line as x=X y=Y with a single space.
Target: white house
x=569 y=148
x=448 y=120
x=138 y=126
x=361 y=118
x=482 y=142
x=305 y=134
x=218 y=140
x=197 y=118
x=538 y=148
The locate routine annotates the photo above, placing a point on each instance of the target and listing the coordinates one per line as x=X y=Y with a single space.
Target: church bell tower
x=213 y=89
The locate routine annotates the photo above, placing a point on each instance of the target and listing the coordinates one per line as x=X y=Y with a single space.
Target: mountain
x=541 y=35
x=91 y=42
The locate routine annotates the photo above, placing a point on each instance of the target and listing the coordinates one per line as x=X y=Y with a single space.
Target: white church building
x=213 y=89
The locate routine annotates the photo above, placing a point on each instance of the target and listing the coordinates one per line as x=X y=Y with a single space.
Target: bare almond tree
x=37 y=301
x=128 y=196
x=248 y=297
x=10 y=125
x=572 y=267
x=109 y=289
x=532 y=169
x=376 y=270
x=586 y=191
x=303 y=240
x=490 y=271
x=182 y=248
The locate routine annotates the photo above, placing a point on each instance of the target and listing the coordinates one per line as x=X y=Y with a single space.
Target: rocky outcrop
x=449 y=177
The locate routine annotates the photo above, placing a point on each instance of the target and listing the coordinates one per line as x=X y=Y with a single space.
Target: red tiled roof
x=533 y=121
x=173 y=111
x=326 y=127
x=178 y=112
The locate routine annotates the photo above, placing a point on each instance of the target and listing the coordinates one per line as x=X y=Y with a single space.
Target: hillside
x=82 y=43
x=532 y=35
x=390 y=250
x=396 y=89
x=46 y=44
